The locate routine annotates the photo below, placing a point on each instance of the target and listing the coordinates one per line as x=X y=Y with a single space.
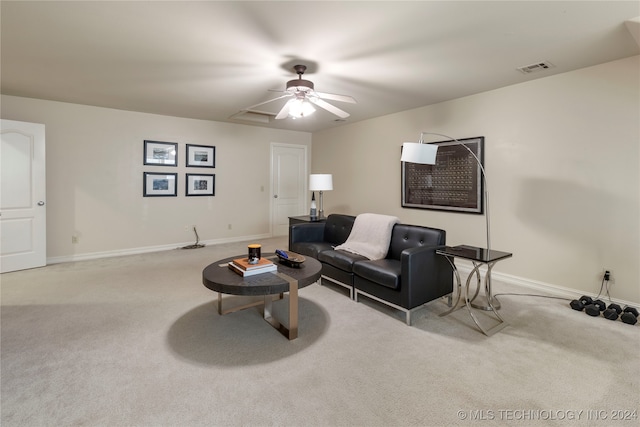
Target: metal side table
x=478 y=257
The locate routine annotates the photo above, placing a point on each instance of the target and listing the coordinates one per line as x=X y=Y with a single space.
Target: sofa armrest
x=306 y=232
x=425 y=275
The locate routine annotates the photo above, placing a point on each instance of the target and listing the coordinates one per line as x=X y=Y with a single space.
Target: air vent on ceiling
x=534 y=68
x=253 y=116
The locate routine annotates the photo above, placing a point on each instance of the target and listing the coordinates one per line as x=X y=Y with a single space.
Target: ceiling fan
x=303 y=96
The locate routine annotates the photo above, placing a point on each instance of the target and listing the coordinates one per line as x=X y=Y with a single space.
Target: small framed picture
x=160 y=184
x=200 y=185
x=160 y=153
x=201 y=156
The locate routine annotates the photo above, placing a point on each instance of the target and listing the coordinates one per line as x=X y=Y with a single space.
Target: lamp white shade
x=415 y=152
x=320 y=182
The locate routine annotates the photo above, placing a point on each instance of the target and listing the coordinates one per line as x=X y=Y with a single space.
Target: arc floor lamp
x=425 y=153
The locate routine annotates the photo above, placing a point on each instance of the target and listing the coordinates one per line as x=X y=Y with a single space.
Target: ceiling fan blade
x=266 y=102
x=285 y=110
x=330 y=108
x=335 y=97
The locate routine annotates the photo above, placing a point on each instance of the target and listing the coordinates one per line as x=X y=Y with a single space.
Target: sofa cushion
x=385 y=272
x=337 y=228
x=337 y=275
x=340 y=259
x=312 y=249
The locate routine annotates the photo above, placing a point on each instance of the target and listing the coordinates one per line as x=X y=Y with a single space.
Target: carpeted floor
x=137 y=341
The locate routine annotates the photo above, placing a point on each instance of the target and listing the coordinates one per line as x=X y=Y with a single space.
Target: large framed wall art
x=454 y=183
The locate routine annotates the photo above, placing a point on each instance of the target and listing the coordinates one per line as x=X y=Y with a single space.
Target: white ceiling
x=210 y=59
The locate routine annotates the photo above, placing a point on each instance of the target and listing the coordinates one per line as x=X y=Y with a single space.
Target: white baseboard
x=463 y=267
x=544 y=288
x=147 y=249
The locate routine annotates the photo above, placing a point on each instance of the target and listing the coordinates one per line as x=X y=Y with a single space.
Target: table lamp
x=320 y=182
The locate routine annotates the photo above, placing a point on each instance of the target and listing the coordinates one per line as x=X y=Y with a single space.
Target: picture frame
x=158 y=184
x=160 y=153
x=454 y=183
x=200 y=184
x=201 y=156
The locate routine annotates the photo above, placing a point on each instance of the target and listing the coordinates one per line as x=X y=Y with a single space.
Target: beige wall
x=94 y=179
x=562 y=158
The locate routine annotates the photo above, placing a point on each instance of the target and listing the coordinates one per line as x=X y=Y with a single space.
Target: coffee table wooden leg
x=240 y=307
x=293 y=310
x=290 y=333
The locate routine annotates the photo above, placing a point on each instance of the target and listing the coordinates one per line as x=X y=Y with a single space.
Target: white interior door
x=23 y=241
x=289 y=185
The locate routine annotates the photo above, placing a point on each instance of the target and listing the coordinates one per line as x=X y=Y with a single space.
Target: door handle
x=40 y=203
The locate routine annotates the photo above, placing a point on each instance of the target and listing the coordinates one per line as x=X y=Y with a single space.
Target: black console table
x=478 y=257
x=305 y=218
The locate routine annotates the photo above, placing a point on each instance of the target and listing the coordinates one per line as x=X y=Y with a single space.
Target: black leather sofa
x=411 y=275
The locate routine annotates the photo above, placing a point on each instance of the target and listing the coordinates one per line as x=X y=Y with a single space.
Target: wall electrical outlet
x=74 y=239
x=229 y=227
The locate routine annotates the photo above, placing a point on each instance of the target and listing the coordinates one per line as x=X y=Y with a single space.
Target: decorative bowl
x=292 y=259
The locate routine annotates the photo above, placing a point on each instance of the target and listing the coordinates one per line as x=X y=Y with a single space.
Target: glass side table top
x=474 y=253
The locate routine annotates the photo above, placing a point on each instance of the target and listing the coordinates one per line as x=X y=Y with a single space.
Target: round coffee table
x=219 y=278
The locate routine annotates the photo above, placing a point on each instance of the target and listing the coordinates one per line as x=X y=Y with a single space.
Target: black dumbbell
x=595 y=308
x=580 y=304
x=629 y=315
x=612 y=312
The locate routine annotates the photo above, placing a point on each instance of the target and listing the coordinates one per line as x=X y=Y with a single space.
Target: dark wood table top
x=219 y=278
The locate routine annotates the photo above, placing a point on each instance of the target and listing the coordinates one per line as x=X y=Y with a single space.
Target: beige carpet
x=137 y=341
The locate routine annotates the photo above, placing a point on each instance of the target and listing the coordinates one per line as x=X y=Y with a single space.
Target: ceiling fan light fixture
x=299 y=85
x=300 y=108
x=304 y=98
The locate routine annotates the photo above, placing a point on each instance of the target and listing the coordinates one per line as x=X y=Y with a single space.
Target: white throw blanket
x=370 y=235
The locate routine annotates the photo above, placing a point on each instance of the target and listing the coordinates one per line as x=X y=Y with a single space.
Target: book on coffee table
x=246 y=273
x=243 y=263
